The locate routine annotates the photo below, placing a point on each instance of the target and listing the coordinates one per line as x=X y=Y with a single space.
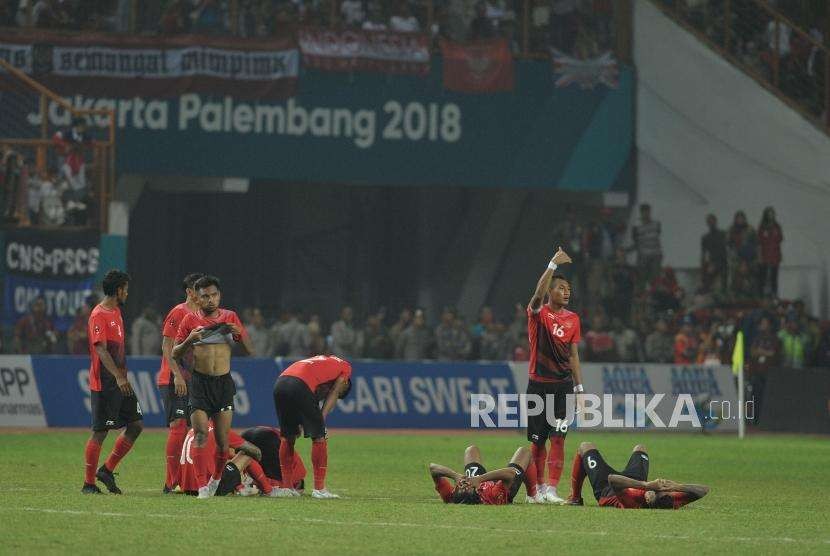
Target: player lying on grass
x=631 y=488
x=478 y=486
x=247 y=457
x=265 y=470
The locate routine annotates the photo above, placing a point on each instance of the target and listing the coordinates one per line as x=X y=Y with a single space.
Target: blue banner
x=384 y=394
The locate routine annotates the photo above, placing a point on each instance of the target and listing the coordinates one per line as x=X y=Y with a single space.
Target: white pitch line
x=317 y=521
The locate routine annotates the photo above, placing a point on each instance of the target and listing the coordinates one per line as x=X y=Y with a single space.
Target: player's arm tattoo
x=251 y=450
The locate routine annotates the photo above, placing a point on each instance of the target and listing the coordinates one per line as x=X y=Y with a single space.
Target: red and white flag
x=568 y=70
x=478 y=67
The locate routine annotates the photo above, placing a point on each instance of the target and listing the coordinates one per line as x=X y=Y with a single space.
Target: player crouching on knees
x=478 y=486
x=629 y=488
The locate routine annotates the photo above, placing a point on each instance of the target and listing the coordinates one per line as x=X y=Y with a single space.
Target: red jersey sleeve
x=98 y=329
x=171 y=324
x=234 y=440
x=577 y=337
x=184 y=329
x=234 y=318
x=632 y=498
x=534 y=316
x=346 y=370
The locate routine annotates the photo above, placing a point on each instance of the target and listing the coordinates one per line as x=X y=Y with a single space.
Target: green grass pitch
x=768 y=496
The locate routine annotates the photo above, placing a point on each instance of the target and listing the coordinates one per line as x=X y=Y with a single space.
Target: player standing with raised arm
x=211 y=332
x=114 y=404
x=554 y=334
x=174 y=392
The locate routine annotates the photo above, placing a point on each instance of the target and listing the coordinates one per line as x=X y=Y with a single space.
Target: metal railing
x=21 y=92
x=790 y=61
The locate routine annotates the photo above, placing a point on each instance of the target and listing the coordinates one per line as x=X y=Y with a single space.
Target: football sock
x=556 y=459
x=539 y=453
x=122 y=446
x=219 y=463
x=577 y=477
x=200 y=464
x=173 y=451
x=319 y=461
x=287 y=462
x=254 y=469
x=91 y=454
x=530 y=479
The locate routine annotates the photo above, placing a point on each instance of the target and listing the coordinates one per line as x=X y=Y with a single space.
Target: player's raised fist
x=560 y=257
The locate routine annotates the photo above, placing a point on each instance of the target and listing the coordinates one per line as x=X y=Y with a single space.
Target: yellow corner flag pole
x=738 y=369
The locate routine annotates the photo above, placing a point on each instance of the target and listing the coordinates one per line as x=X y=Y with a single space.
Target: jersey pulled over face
x=212 y=354
x=551 y=334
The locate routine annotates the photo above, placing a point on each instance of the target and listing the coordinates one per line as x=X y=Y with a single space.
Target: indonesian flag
x=478 y=67
x=585 y=73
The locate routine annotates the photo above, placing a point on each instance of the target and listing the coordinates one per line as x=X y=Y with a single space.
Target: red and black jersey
x=169 y=329
x=187 y=479
x=319 y=370
x=550 y=335
x=105 y=327
x=489 y=493
x=194 y=320
x=635 y=499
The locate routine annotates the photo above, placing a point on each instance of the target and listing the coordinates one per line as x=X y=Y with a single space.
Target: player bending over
x=265 y=470
x=478 y=486
x=631 y=488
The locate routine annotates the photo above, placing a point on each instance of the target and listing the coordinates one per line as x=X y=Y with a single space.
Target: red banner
x=479 y=67
x=356 y=50
x=111 y=65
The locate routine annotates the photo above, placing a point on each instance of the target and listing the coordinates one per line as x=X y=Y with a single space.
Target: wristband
x=578 y=389
x=552 y=265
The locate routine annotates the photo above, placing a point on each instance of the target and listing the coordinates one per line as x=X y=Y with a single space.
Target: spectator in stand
x=175 y=18
x=403 y=322
x=795 y=344
x=626 y=341
x=724 y=335
x=485 y=319
x=452 y=342
x=13 y=177
x=564 y=20
x=743 y=248
x=482 y=27
x=7 y=13
x=289 y=336
x=713 y=255
x=72 y=144
x=570 y=234
x=660 y=344
x=145 y=338
x=375 y=20
x=495 y=343
x=316 y=340
x=686 y=342
x=376 y=340
x=621 y=279
x=517 y=330
x=346 y=340
x=34 y=333
x=261 y=337
x=415 y=342
x=599 y=343
x=646 y=237
x=404 y=20
x=764 y=353
x=77 y=334
x=50 y=14
x=352 y=13
x=769 y=240
x=208 y=18
x=665 y=294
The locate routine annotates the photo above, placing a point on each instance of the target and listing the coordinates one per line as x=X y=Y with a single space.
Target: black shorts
x=175 y=407
x=231 y=478
x=112 y=410
x=211 y=394
x=597 y=470
x=268 y=442
x=297 y=405
x=474 y=469
x=538 y=428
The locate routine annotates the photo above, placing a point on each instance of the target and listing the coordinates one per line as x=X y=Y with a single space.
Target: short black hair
x=206 y=281
x=558 y=276
x=113 y=280
x=465 y=497
x=663 y=501
x=190 y=280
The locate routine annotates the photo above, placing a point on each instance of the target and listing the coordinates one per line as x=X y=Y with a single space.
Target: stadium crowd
x=632 y=309
x=60 y=193
x=585 y=27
